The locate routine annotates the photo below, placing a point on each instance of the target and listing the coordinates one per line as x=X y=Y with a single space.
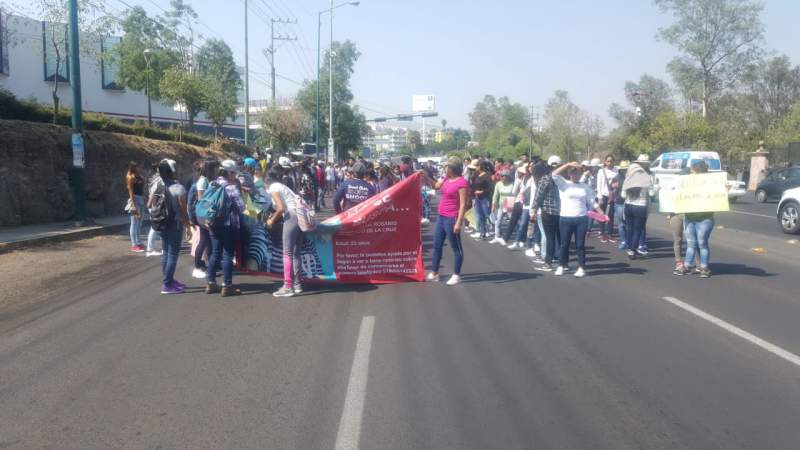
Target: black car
x=777 y=181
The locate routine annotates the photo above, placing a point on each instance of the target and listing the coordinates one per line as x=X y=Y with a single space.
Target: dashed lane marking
x=753 y=339
x=350 y=424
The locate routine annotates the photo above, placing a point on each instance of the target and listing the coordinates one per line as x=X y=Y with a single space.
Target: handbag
x=129 y=207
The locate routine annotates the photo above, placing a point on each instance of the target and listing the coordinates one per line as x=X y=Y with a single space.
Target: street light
x=330 y=64
x=146 y=53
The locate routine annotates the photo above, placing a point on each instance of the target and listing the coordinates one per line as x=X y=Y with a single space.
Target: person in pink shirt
x=452 y=207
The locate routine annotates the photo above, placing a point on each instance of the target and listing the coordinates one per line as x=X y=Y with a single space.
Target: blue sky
x=461 y=50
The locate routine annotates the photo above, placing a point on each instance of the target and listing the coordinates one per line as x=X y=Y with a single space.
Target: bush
x=12 y=108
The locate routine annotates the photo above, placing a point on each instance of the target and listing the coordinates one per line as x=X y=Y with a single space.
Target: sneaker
x=536 y=248
x=544 y=267
x=631 y=254
x=622 y=245
x=604 y=239
x=433 y=278
x=705 y=273
x=154 y=253
x=425 y=220
x=212 y=288
x=199 y=274
x=475 y=235
x=137 y=248
x=501 y=241
x=454 y=280
x=284 y=292
x=538 y=260
x=642 y=251
x=611 y=239
x=171 y=288
x=512 y=246
x=298 y=288
x=530 y=253
x=179 y=284
x=559 y=271
x=229 y=291
x=697 y=271
x=681 y=270
x=580 y=273
x=495 y=241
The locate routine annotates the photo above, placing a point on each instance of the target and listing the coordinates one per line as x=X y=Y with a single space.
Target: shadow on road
x=614 y=269
x=723 y=269
x=499 y=277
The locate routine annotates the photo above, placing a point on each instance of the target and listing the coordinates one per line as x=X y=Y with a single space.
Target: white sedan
x=736 y=189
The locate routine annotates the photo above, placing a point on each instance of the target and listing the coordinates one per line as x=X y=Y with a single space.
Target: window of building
x=108 y=66
x=3 y=44
x=54 y=47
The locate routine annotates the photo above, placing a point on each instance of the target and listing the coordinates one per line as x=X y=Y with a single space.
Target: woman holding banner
x=697 y=229
x=452 y=206
x=285 y=202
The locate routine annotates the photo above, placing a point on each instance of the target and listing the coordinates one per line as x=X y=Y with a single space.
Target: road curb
x=6 y=247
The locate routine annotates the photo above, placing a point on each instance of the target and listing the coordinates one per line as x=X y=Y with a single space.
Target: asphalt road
x=628 y=357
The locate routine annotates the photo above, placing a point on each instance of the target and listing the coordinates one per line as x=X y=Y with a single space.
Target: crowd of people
x=285 y=187
x=548 y=208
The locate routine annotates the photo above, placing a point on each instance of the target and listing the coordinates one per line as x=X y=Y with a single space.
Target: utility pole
x=534 y=122
x=246 y=81
x=319 y=42
x=77 y=173
x=271 y=50
x=331 y=144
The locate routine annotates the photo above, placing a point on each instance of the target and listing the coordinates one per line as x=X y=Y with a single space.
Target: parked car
x=674 y=164
x=776 y=182
x=789 y=211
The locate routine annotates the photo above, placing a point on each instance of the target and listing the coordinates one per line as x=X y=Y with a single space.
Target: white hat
x=284 y=162
x=229 y=165
x=595 y=162
x=585 y=163
x=554 y=160
x=173 y=165
x=643 y=158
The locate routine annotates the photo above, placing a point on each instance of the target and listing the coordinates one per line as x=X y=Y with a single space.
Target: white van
x=673 y=164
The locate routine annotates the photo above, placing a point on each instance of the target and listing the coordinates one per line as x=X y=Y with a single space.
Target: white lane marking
x=350 y=424
x=752 y=214
x=772 y=348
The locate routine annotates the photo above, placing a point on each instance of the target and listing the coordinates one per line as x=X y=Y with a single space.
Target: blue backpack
x=191 y=200
x=211 y=210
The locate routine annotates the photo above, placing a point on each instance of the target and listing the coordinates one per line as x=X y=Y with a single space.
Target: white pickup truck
x=673 y=164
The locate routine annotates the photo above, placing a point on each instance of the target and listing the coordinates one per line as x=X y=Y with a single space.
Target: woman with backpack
x=637 y=186
x=285 y=203
x=207 y=169
x=225 y=232
x=167 y=206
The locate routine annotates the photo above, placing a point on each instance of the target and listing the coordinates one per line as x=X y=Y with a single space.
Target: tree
x=216 y=66
x=349 y=123
x=648 y=98
x=285 y=128
x=94 y=24
x=564 y=120
x=718 y=39
x=187 y=89
x=771 y=87
x=491 y=113
x=414 y=141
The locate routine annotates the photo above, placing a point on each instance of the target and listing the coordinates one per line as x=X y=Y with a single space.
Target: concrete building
x=28 y=70
x=386 y=139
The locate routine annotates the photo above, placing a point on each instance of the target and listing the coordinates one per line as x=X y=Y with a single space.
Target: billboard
x=424 y=103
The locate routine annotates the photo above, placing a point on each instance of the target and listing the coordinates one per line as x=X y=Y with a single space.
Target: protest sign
x=377 y=241
x=707 y=192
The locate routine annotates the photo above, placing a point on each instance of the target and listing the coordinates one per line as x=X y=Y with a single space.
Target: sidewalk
x=12 y=238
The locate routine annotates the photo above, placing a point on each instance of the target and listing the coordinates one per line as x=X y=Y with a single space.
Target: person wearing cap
x=175 y=196
x=547 y=209
x=577 y=199
x=225 y=237
x=452 y=207
x=604 y=177
x=636 y=190
x=246 y=176
x=353 y=191
x=503 y=190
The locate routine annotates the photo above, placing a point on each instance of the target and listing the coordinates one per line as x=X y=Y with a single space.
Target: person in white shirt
x=605 y=176
x=577 y=199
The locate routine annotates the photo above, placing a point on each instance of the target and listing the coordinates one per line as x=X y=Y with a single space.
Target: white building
x=386 y=139
x=27 y=69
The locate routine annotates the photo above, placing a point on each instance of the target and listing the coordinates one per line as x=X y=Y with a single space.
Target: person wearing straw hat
x=618 y=206
x=638 y=184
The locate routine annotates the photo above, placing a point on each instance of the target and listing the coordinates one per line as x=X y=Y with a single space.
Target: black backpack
x=162 y=213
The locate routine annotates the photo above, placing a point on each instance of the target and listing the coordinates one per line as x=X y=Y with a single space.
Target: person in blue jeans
x=135 y=184
x=225 y=237
x=452 y=206
x=483 y=190
x=171 y=236
x=697 y=228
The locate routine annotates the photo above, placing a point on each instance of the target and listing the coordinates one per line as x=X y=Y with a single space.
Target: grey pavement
x=511 y=358
x=30 y=235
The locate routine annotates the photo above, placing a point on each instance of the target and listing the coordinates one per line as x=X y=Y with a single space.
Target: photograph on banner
x=377 y=241
x=695 y=193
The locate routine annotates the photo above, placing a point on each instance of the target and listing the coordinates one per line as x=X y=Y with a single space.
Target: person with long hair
x=134 y=181
x=546 y=209
x=636 y=191
x=452 y=207
x=386 y=178
x=482 y=190
x=174 y=196
x=225 y=236
x=697 y=229
x=284 y=201
x=208 y=171
x=503 y=190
